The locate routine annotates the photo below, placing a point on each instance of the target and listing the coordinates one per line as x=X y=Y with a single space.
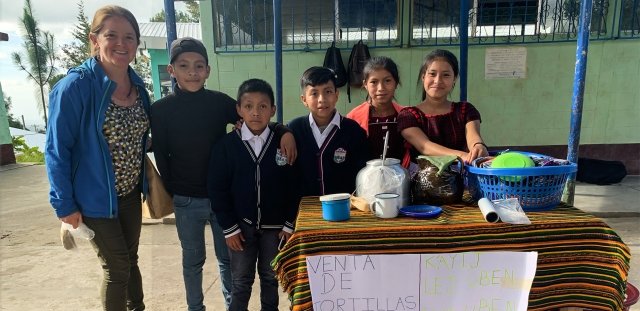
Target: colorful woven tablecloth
x=582 y=262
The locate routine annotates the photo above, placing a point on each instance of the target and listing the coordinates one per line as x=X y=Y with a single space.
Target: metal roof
x=153 y=35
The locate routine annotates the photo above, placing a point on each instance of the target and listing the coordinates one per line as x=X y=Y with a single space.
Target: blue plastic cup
x=335 y=207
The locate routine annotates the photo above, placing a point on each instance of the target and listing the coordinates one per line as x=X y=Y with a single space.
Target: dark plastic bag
x=427 y=187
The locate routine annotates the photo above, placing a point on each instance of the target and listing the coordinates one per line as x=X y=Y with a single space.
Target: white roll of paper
x=488 y=210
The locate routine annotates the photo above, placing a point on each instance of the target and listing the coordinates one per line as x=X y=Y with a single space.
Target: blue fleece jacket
x=77 y=156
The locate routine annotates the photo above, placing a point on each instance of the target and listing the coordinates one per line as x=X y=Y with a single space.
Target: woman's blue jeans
x=192 y=215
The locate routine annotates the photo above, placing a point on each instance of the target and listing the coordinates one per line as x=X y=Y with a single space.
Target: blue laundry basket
x=537 y=188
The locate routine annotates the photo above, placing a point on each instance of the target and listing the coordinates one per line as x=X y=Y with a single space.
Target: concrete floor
x=36 y=273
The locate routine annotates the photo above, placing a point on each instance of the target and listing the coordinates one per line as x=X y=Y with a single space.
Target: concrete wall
x=531 y=111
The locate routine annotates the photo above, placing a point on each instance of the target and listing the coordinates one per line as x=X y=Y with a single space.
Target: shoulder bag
x=157 y=203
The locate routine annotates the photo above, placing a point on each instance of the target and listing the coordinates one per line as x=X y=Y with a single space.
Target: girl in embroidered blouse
x=438 y=126
x=379 y=112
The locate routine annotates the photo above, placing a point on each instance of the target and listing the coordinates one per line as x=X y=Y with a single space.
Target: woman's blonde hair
x=106 y=12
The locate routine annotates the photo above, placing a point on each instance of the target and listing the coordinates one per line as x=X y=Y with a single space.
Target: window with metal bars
x=247 y=25
x=436 y=22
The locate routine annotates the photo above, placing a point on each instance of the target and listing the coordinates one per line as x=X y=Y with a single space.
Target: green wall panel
x=224 y=64
x=158 y=58
x=249 y=63
x=5 y=134
x=535 y=110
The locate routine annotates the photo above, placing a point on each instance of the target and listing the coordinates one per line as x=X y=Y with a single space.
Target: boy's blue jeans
x=192 y=215
x=260 y=246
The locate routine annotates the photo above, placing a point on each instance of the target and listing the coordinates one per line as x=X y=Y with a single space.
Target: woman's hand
x=74 y=219
x=478 y=150
x=234 y=242
x=475 y=143
x=288 y=146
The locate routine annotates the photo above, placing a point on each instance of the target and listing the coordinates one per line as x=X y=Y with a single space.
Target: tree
x=55 y=79
x=13 y=122
x=40 y=54
x=181 y=17
x=24 y=153
x=191 y=16
x=142 y=67
x=193 y=9
x=78 y=51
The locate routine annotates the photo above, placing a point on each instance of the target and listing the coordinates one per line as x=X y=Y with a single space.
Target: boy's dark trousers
x=261 y=246
x=116 y=243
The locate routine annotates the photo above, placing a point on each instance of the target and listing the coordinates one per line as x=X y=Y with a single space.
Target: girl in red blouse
x=379 y=112
x=438 y=126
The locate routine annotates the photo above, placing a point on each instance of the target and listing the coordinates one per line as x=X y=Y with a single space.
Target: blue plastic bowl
x=335 y=207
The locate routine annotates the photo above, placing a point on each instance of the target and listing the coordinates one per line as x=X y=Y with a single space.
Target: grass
x=24 y=153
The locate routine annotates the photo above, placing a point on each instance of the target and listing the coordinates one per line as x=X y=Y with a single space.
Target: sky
x=59 y=18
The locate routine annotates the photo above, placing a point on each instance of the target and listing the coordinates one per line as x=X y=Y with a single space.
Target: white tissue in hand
x=82 y=232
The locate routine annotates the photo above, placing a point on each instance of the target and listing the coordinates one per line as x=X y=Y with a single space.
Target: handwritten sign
x=472 y=281
x=505 y=63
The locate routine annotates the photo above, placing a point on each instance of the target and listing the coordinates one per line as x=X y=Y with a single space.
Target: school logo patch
x=281 y=160
x=340 y=155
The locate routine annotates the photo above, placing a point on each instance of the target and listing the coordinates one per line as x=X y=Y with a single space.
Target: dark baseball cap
x=187 y=44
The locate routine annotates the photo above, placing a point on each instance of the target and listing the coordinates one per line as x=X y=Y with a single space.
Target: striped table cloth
x=582 y=262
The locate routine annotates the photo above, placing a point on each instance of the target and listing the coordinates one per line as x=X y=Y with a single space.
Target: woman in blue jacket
x=96 y=137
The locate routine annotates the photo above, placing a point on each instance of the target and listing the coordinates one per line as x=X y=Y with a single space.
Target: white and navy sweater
x=260 y=190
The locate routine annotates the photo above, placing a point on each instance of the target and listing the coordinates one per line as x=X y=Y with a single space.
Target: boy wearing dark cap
x=185 y=126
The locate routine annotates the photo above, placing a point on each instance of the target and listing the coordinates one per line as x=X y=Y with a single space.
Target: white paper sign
x=505 y=63
x=455 y=281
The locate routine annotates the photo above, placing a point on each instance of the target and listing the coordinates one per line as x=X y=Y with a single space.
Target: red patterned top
x=446 y=129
